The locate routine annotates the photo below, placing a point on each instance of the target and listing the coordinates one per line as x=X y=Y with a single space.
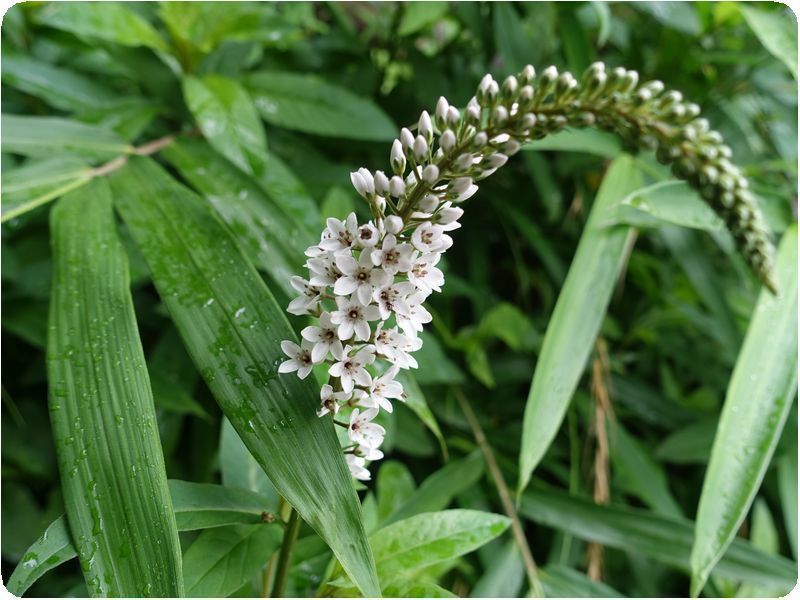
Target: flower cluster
x=367 y=281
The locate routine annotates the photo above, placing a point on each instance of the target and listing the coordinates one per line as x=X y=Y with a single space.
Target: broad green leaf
x=287 y=191
x=576 y=318
x=412 y=588
x=337 y=203
x=439 y=489
x=513 y=45
x=202 y=505
x=408 y=546
x=418 y=15
x=672 y=202
x=240 y=469
x=271 y=239
x=681 y=16
x=395 y=485
x=46 y=136
x=559 y=581
x=101 y=407
x=667 y=540
x=222 y=559
x=61 y=88
x=308 y=103
x=128 y=117
x=690 y=444
x=777 y=31
x=53 y=548
x=416 y=401
x=229 y=121
x=637 y=472
x=503 y=577
x=232 y=326
x=38 y=182
x=590 y=141
x=108 y=21
x=757 y=402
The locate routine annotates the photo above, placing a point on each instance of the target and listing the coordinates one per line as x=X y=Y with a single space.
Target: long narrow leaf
x=577 y=317
x=759 y=397
x=665 y=539
x=101 y=407
x=44 y=136
x=232 y=327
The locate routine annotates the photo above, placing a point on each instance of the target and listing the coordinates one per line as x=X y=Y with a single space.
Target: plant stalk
x=285 y=557
x=505 y=496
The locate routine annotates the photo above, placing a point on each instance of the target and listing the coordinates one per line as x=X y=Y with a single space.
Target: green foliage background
x=272 y=105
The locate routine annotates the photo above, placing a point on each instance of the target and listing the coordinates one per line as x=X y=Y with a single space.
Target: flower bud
x=527 y=75
x=494 y=161
x=420 y=148
x=363 y=186
x=473 y=111
x=425 y=127
x=453 y=116
x=528 y=120
x=526 y=96
x=393 y=224
x=480 y=140
x=459 y=185
x=547 y=79
x=464 y=162
x=511 y=147
x=447 y=140
x=397 y=187
x=468 y=193
x=499 y=114
x=510 y=88
x=429 y=203
x=406 y=138
x=381 y=183
x=450 y=214
x=483 y=95
x=397 y=158
x=628 y=82
x=441 y=112
x=430 y=174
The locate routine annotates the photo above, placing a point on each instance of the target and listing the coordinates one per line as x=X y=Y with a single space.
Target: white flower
x=428 y=237
x=350 y=369
x=308 y=299
x=391 y=298
x=299 y=359
x=323 y=270
x=356 y=466
x=416 y=316
x=322 y=337
x=363 y=431
x=448 y=216
x=367 y=235
x=369 y=453
x=392 y=257
x=424 y=273
x=364 y=187
x=382 y=389
x=329 y=400
x=352 y=317
x=339 y=235
x=360 y=276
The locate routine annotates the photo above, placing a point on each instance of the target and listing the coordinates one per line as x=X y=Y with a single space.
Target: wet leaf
x=44 y=136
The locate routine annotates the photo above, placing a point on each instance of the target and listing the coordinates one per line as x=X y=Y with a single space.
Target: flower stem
x=289 y=538
x=505 y=495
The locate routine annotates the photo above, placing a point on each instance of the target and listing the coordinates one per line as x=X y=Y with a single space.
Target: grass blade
x=759 y=397
x=101 y=407
x=577 y=317
x=665 y=539
x=232 y=327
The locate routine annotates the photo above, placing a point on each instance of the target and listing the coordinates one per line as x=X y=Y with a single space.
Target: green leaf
x=418 y=15
x=690 y=444
x=757 y=402
x=222 y=559
x=415 y=400
x=439 y=489
x=173 y=376
x=576 y=318
x=395 y=485
x=308 y=103
x=196 y=506
x=504 y=575
x=560 y=581
x=53 y=548
x=681 y=16
x=667 y=540
x=636 y=471
x=270 y=238
x=228 y=119
x=787 y=486
x=109 y=21
x=45 y=136
x=101 y=407
x=777 y=31
x=202 y=505
x=420 y=541
x=61 y=88
x=232 y=328
x=590 y=141
x=287 y=191
x=672 y=202
x=412 y=588
x=513 y=44
x=38 y=182
x=240 y=469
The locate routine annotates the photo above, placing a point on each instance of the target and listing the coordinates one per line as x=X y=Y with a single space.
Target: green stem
x=289 y=538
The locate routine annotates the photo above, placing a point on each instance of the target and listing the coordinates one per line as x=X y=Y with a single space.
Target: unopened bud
x=381 y=183
x=393 y=224
x=511 y=147
x=365 y=189
x=510 y=87
x=499 y=114
x=473 y=111
x=430 y=174
x=397 y=186
x=420 y=148
x=425 y=127
x=397 y=158
x=429 y=203
x=527 y=75
x=480 y=139
x=406 y=138
x=441 y=112
x=464 y=162
x=453 y=116
x=447 y=140
x=494 y=161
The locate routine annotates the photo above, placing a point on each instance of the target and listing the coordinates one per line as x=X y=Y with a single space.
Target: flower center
x=354 y=314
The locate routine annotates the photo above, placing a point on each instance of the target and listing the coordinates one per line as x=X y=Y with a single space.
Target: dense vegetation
x=605 y=398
